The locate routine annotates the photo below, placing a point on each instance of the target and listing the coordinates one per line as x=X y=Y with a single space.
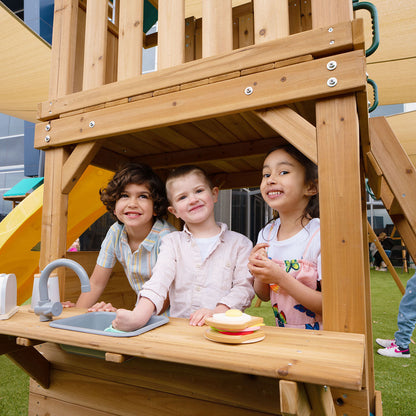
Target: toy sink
x=97 y=322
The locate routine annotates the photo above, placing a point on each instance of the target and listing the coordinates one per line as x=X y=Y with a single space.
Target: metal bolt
x=248 y=91
x=47 y=139
x=331 y=42
x=92 y=123
x=331 y=65
x=331 y=29
x=332 y=82
x=47 y=127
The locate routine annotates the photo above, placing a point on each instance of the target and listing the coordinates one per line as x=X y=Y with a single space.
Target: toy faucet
x=45 y=308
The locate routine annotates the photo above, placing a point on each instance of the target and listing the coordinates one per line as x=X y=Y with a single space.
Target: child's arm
x=267 y=271
x=131 y=320
x=199 y=316
x=98 y=282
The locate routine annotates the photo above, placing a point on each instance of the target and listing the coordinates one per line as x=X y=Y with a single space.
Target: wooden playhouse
x=234 y=78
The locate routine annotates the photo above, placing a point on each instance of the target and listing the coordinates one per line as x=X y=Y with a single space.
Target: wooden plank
x=171 y=33
x=76 y=164
x=404 y=126
x=217 y=32
x=230 y=388
x=293 y=399
x=95 y=44
x=397 y=168
x=41 y=404
x=315 y=42
x=340 y=364
x=271 y=20
x=350 y=402
x=32 y=363
x=211 y=153
x=99 y=394
x=189 y=39
x=307 y=80
x=245 y=30
x=293 y=128
x=130 y=39
x=64 y=35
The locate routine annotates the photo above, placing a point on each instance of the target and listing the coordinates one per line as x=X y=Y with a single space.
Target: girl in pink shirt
x=286 y=262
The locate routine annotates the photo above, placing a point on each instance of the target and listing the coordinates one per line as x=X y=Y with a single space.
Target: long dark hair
x=311 y=177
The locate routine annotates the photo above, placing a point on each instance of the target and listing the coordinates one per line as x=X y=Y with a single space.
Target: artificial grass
x=394 y=377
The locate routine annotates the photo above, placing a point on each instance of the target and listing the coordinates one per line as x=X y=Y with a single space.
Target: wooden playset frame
x=229 y=86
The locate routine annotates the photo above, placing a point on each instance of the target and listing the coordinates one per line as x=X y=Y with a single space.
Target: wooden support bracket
x=27 y=358
x=293 y=399
x=293 y=128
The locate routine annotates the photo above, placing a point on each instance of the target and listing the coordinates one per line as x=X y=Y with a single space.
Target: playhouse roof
x=24 y=81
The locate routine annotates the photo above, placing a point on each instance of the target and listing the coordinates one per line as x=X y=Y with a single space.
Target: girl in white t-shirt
x=286 y=262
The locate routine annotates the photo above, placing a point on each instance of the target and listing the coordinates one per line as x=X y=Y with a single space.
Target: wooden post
x=217 y=27
x=95 y=44
x=345 y=274
x=130 y=39
x=171 y=33
x=271 y=20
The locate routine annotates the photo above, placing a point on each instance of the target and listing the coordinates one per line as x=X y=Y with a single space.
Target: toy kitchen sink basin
x=97 y=322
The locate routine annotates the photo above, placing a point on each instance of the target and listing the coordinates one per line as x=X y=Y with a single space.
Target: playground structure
x=229 y=86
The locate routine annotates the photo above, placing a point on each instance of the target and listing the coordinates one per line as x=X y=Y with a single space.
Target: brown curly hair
x=140 y=174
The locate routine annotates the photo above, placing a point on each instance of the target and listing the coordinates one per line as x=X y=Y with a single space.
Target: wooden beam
x=315 y=42
x=345 y=306
x=130 y=39
x=407 y=233
x=374 y=175
x=32 y=362
x=396 y=166
x=210 y=154
x=293 y=127
x=76 y=164
x=307 y=80
x=320 y=398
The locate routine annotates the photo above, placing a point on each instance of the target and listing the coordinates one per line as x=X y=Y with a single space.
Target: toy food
x=234 y=327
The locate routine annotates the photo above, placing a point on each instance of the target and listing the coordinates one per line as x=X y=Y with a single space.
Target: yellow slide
x=20 y=231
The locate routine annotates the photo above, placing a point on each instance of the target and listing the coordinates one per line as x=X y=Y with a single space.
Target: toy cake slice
x=234 y=327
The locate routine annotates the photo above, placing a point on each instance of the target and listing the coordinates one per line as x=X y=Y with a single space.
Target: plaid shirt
x=138 y=266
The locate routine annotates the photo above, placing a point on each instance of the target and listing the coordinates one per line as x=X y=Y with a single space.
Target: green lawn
x=395 y=378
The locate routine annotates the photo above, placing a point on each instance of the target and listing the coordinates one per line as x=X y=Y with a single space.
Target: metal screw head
x=331 y=42
x=331 y=29
x=331 y=65
x=47 y=127
x=47 y=139
x=332 y=82
x=92 y=123
x=248 y=91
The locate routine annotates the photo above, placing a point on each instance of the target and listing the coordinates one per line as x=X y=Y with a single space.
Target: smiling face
x=283 y=183
x=134 y=208
x=191 y=198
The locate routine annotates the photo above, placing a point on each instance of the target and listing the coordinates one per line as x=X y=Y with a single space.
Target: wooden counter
x=178 y=351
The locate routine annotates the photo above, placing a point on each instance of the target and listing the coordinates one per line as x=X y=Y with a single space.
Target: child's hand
x=125 y=320
x=102 y=307
x=266 y=270
x=68 y=304
x=258 y=251
x=199 y=316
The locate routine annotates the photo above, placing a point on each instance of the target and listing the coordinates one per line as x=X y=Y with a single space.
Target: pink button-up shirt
x=193 y=283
